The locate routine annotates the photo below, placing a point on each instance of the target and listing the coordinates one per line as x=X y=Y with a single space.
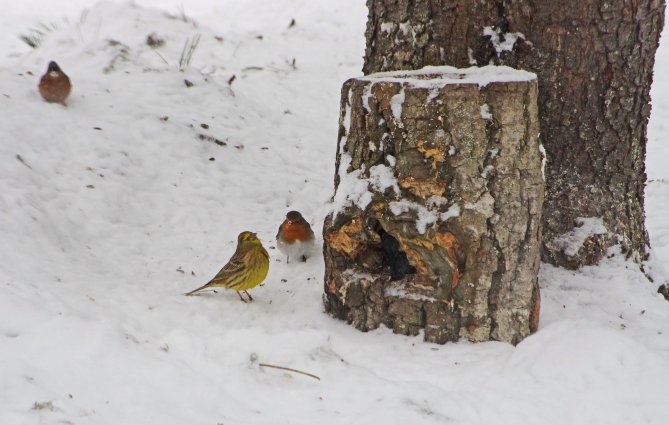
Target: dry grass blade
x=289 y=370
x=187 y=53
x=35 y=36
x=159 y=55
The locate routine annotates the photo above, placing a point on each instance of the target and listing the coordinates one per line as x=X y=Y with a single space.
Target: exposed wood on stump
x=594 y=62
x=437 y=206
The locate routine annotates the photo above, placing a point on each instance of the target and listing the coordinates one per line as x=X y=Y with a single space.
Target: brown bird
x=55 y=86
x=295 y=237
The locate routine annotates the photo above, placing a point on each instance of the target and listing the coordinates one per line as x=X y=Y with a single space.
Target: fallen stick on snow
x=289 y=369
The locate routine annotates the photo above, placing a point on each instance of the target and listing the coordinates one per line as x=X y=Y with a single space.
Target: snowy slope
x=112 y=207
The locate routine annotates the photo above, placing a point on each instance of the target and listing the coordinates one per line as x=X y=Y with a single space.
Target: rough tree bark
x=594 y=60
x=437 y=206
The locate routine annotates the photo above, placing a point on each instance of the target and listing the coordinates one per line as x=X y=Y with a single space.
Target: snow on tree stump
x=436 y=220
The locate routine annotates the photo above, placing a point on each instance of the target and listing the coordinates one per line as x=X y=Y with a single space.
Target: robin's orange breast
x=294 y=232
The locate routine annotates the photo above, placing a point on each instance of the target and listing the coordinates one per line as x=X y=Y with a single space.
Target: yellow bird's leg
x=249 y=295
x=240 y=296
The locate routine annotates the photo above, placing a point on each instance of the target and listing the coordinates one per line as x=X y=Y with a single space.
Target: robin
x=295 y=237
x=55 y=86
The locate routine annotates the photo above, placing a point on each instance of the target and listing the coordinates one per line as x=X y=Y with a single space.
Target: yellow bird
x=246 y=269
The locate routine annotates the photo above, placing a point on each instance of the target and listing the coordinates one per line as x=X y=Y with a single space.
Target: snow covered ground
x=114 y=206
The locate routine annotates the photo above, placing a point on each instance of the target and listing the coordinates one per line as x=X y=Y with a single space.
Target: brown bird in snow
x=55 y=86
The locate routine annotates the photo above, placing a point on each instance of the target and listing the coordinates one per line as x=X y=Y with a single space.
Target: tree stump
x=436 y=219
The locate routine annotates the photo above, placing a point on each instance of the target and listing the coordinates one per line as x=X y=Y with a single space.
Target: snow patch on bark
x=388 y=27
x=437 y=201
x=366 y=94
x=394 y=289
x=396 y=103
x=426 y=217
x=346 y=122
x=485 y=112
x=487 y=171
x=352 y=189
x=571 y=242
x=382 y=177
x=502 y=42
x=470 y=57
x=431 y=77
x=405 y=27
x=434 y=92
x=453 y=211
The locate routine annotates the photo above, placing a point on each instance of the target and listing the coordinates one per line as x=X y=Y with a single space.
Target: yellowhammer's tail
x=199 y=289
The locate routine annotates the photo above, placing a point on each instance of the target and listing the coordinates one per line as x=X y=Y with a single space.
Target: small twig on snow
x=289 y=370
x=159 y=55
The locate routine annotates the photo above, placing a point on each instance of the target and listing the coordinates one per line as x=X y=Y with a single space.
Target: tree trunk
x=438 y=195
x=594 y=61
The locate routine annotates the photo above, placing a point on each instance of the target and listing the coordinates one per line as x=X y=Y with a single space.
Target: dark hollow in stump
x=436 y=220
